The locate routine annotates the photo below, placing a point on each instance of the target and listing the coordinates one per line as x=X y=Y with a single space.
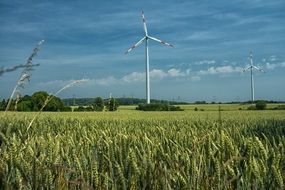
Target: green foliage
x=260 y=105
x=89 y=108
x=37 y=100
x=252 y=107
x=83 y=109
x=67 y=109
x=3 y=105
x=25 y=105
x=158 y=107
x=279 y=107
x=54 y=105
x=201 y=102
x=121 y=101
x=98 y=104
x=112 y=104
x=79 y=108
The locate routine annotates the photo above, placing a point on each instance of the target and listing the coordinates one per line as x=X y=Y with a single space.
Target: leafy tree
x=55 y=104
x=12 y=104
x=201 y=102
x=98 y=104
x=89 y=108
x=25 y=105
x=38 y=100
x=3 y=105
x=25 y=98
x=158 y=107
x=260 y=105
x=112 y=105
x=252 y=107
x=80 y=108
x=67 y=109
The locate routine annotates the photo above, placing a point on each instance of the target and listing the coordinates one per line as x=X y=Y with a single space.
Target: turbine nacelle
x=251 y=65
x=147 y=38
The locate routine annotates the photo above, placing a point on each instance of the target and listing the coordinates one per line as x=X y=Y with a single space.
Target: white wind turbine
x=251 y=67
x=146 y=38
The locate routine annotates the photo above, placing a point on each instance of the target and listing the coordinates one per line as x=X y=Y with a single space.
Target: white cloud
x=203 y=35
x=140 y=76
x=203 y=62
x=56 y=83
x=220 y=70
x=157 y=74
x=133 y=77
x=273 y=58
x=105 y=81
x=188 y=71
x=195 y=78
x=175 y=73
x=271 y=66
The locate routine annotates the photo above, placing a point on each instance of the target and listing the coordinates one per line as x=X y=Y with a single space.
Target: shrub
x=158 y=107
x=80 y=108
x=25 y=105
x=98 y=104
x=195 y=109
x=252 y=107
x=201 y=102
x=260 y=105
x=67 y=108
x=112 y=104
x=89 y=108
x=279 y=107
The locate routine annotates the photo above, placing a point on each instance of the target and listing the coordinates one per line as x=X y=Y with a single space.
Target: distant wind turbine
x=251 y=67
x=146 y=38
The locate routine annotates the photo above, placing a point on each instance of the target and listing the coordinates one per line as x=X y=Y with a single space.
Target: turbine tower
x=251 y=67
x=146 y=38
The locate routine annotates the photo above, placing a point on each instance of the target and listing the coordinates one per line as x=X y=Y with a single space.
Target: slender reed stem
x=51 y=96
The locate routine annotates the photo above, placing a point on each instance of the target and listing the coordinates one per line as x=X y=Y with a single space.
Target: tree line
x=121 y=101
x=36 y=101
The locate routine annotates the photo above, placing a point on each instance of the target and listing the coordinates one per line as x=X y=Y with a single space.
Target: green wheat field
x=129 y=149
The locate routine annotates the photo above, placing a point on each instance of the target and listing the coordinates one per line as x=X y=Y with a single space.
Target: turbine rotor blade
x=250 y=55
x=246 y=69
x=259 y=69
x=160 y=41
x=144 y=24
x=136 y=45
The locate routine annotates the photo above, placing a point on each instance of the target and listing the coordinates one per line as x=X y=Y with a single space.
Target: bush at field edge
x=158 y=107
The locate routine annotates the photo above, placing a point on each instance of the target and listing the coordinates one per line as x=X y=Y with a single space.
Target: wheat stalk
x=10 y=69
x=25 y=76
x=51 y=96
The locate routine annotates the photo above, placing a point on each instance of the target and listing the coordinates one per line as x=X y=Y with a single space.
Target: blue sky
x=87 y=39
